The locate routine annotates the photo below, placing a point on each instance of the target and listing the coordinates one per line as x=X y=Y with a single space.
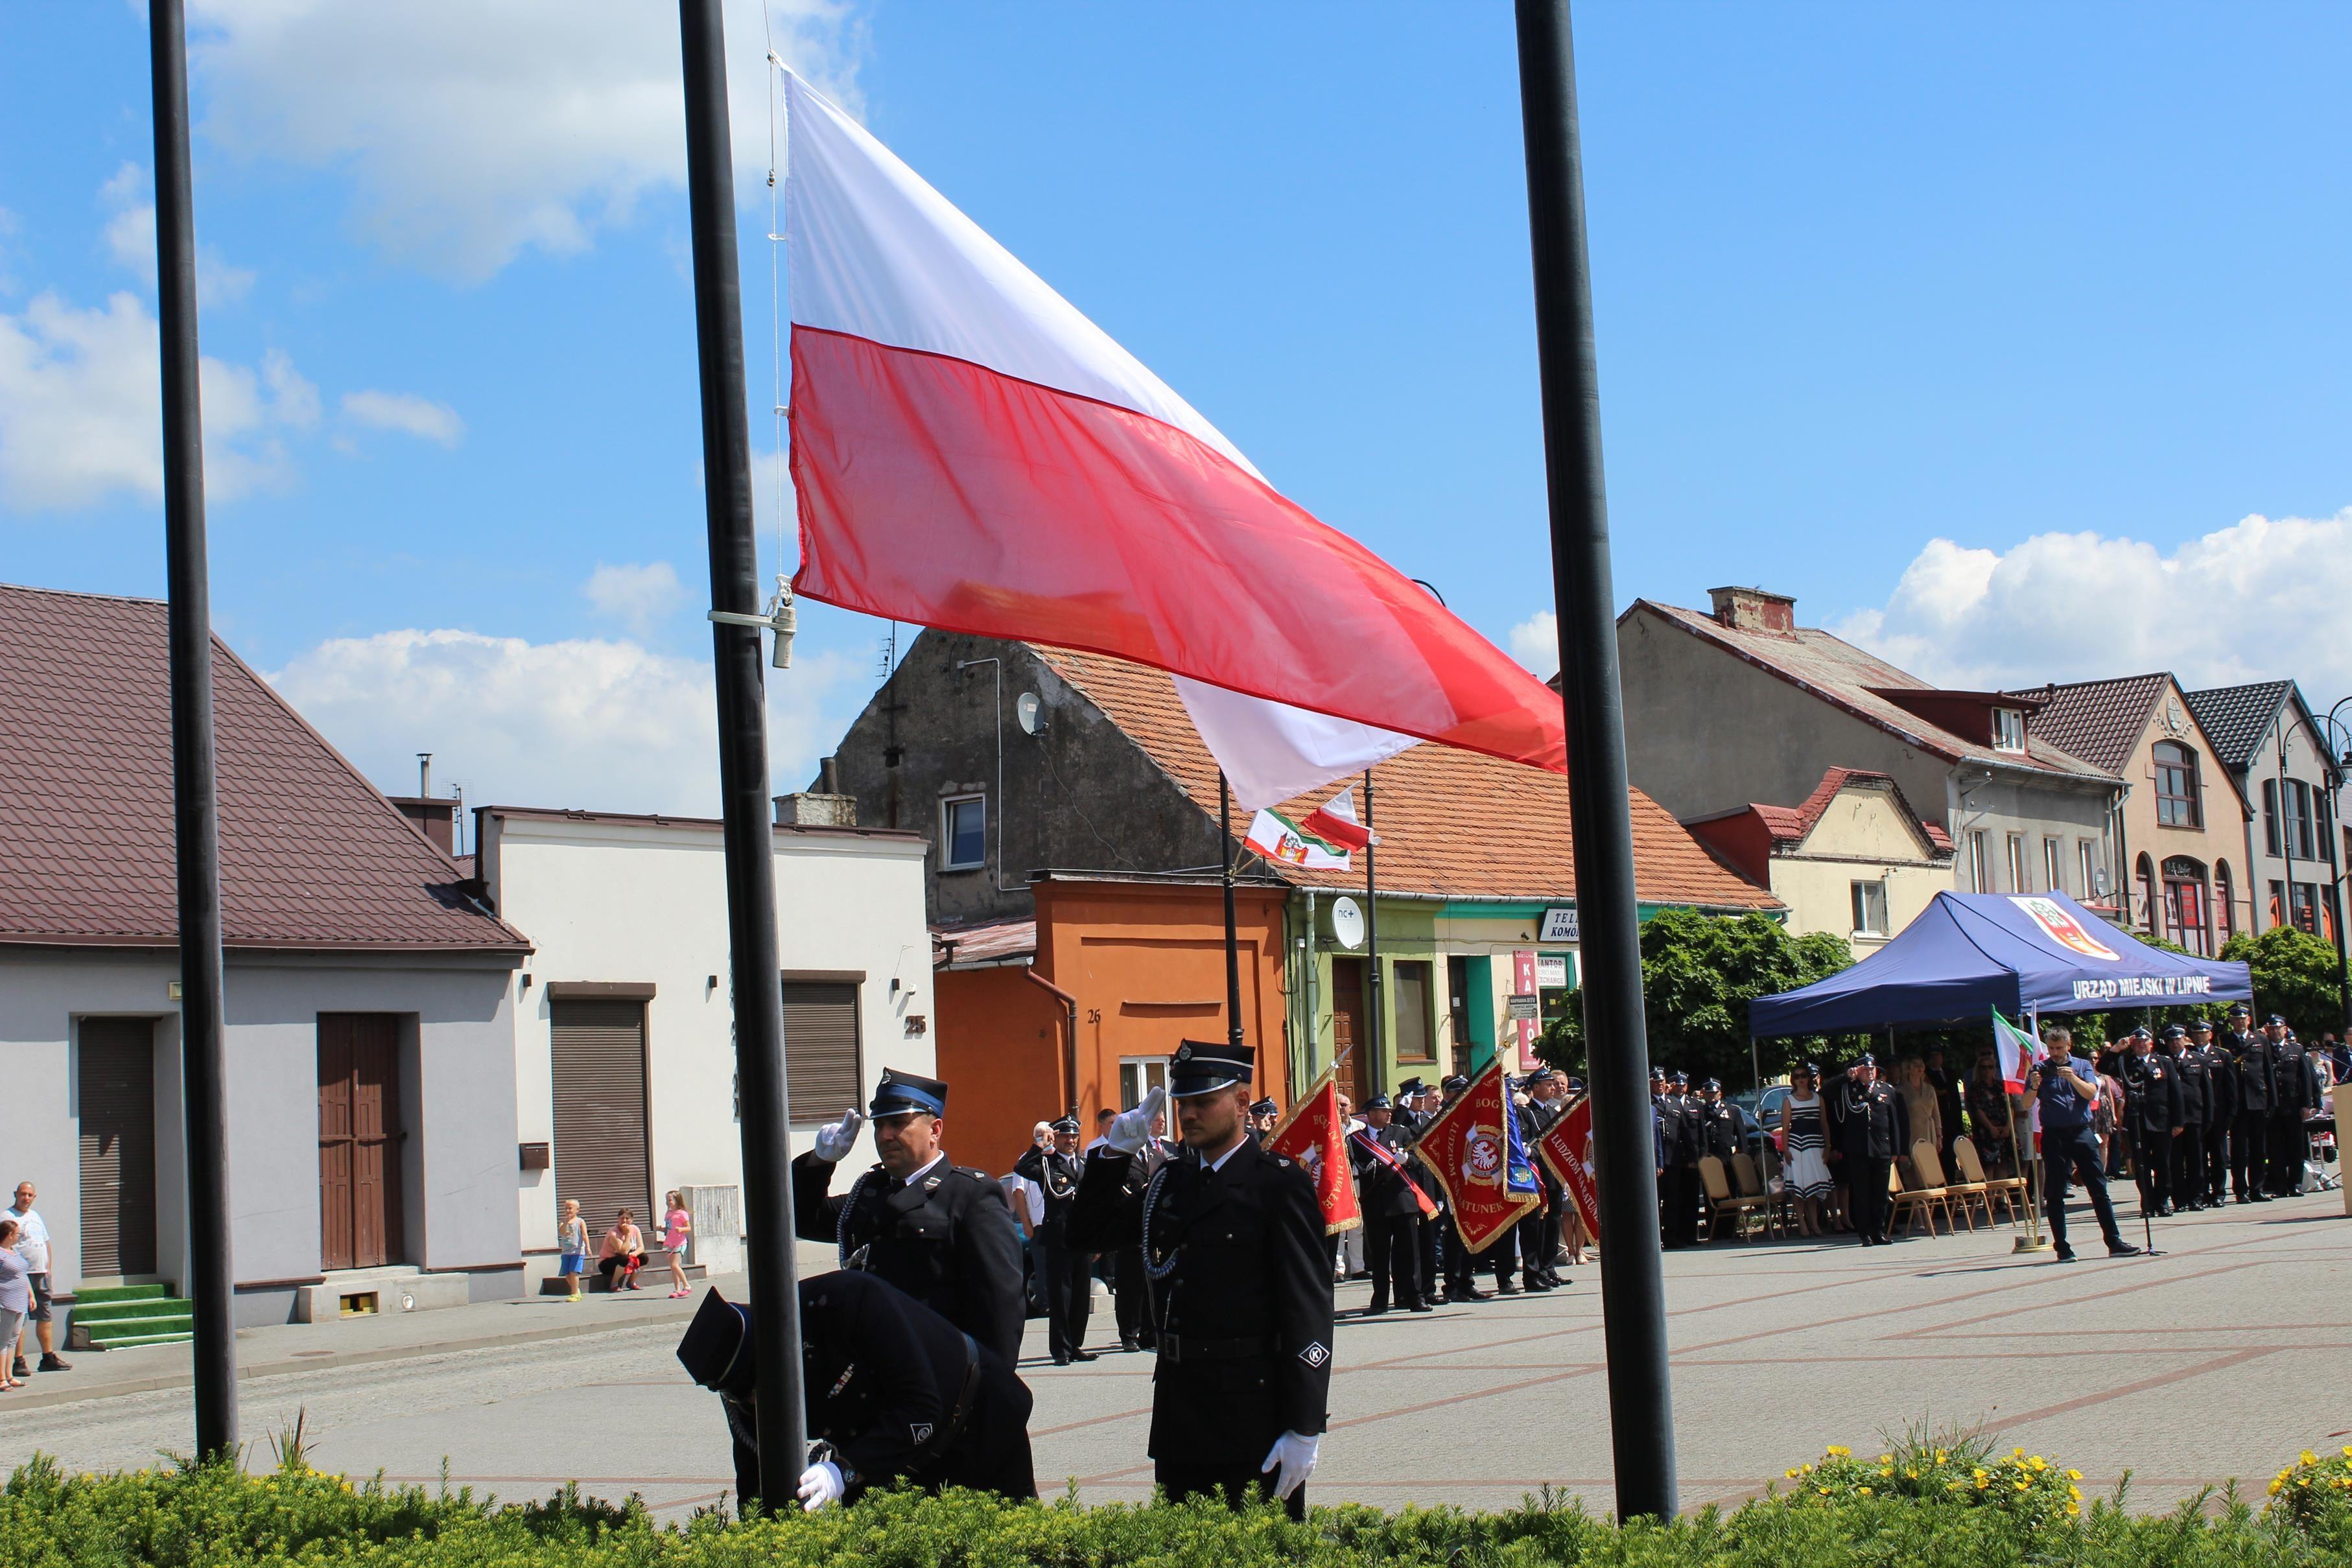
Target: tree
x=2295 y=977
x=1699 y=972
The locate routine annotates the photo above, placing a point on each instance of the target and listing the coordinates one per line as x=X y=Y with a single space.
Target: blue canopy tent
x=1969 y=952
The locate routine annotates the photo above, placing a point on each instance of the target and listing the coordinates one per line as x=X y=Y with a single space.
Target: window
x=2008 y=729
x=2088 y=857
x=2018 y=882
x=964 y=830
x=2307 y=905
x=2270 y=815
x=1416 y=1040
x=2177 y=805
x=1139 y=1076
x=2278 y=903
x=1980 y=863
x=2184 y=905
x=2295 y=821
x=2144 y=873
x=2225 y=900
x=2054 y=865
x=1870 y=908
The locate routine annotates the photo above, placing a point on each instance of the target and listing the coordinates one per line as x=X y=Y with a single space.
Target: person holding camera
x=2068 y=1097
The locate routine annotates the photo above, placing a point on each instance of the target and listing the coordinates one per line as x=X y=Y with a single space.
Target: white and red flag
x=972 y=453
x=1285 y=843
x=1334 y=821
x=2018 y=1051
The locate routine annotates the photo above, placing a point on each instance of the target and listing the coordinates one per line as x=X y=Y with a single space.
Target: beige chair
x=1748 y=1184
x=1721 y=1200
x=2009 y=1189
x=1915 y=1201
x=1966 y=1197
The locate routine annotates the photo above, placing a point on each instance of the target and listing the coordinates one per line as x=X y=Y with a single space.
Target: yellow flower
x=1887 y=1469
x=1838 y=1451
x=1824 y=1491
x=1944 y=1456
x=2019 y=1485
x=2038 y=1464
x=1885 y=1458
x=1865 y=1491
x=2074 y=1492
x=2074 y=1508
x=2308 y=1457
x=2073 y=1475
x=1792 y=1475
x=2017 y=1453
x=1912 y=1471
x=2277 y=1487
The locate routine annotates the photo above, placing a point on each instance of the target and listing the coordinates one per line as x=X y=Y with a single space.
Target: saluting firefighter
x=2151 y=1118
x=894 y=1392
x=2249 y=1135
x=939 y=1231
x=2196 y=1096
x=1232 y=1244
x=1069 y=1284
x=2222 y=1090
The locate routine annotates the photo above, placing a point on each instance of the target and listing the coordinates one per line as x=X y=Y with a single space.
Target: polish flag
x=1334 y=821
x=971 y=452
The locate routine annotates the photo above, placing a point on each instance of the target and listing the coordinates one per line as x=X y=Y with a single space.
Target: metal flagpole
x=2031 y=1240
x=748 y=836
x=1374 y=1013
x=1233 y=940
x=212 y=1280
x=1633 y=1281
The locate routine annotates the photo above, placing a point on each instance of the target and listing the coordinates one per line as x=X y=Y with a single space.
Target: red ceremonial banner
x=1316 y=1135
x=1468 y=1149
x=1567 y=1149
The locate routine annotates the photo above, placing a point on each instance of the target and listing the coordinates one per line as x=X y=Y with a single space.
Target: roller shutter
x=821 y=1071
x=602 y=1154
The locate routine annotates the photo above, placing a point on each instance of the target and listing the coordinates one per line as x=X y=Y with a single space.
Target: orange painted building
x=1142 y=964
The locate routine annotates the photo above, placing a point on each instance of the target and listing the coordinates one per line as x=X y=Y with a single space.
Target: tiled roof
x=1808 y=817
x=2099 y=721
x=1786 y=828
x=1844 y=675
x=978 y=946
x=312 y=855
x=1452 y=823
x=2235 y=719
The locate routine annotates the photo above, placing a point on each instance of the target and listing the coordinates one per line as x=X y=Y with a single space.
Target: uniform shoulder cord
x=841 y=1226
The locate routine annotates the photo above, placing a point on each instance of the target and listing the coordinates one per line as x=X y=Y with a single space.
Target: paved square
x=2220 y=1358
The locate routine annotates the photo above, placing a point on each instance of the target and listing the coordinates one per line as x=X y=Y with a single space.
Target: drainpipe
x=1070 y=1058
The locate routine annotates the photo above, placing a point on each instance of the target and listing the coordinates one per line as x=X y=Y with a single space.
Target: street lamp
x=2338 y=748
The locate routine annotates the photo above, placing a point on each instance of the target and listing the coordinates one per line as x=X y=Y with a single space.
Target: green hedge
x=1948 y=1506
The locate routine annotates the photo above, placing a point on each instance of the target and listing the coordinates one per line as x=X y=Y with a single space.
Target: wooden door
x=116 y=1077
x=360 y=1141
x=602 y=1157
x=1348 y=1026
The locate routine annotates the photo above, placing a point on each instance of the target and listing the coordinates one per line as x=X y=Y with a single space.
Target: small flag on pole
x=1285 y=843
x=1334 y=821
x=2018 y=1051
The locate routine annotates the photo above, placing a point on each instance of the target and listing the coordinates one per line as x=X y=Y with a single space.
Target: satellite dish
x=1347 y=922
x=1025 y=709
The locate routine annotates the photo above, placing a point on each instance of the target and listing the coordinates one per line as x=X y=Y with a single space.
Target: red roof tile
x=2099 y=721
x=312 y=855
x=1452 y=823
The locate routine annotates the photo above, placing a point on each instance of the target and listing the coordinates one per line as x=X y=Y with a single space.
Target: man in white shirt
x=32 y=1247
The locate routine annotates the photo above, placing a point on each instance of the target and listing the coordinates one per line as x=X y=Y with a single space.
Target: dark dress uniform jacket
x=1719 y=1131
x=1877 y=1123
x=948 y=1240
x=2196 y=1085
x=1246 y=1309
x=2221 y=1085
x=884 y=1377
x=2255 y=1074
x=1057 y=1174
x=2151 y=1094
x=1384 y=1194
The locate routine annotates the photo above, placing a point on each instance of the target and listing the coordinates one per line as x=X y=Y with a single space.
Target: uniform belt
x=1176 y=1349
x=948 y=1430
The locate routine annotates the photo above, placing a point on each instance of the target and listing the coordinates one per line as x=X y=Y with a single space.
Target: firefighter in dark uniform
x=1392 y=1251
x=1408 y=1120
x=1663 y=1118
x=939 y=1231
x=1721 y=1126
x=1538 y=1233
x=2221 y=1092
x=2196 y=1115
x=1069 y=1286
x=2295 y=1089
x=1232 y=1242
x=2151 y=1119
x=894 y=1392
x=1876 y=1128
x=2250 y=1133
x=1683 y=1190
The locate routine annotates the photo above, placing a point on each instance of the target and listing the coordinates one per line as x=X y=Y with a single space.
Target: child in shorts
x=571 y=1248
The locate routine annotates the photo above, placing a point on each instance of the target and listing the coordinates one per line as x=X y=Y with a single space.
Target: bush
x=1936 y=1503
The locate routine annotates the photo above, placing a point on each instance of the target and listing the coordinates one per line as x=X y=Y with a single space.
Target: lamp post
x=2339 y=738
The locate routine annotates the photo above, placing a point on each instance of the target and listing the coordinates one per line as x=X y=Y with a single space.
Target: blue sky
x=2010 y=340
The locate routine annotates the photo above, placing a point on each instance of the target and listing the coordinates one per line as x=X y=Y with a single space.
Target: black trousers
x=2152 y=1167
x=2075 y=1152
x=1236 y=1486
x=2250 y=1153
x=1498 y=1258
x=1392 y=1255
x=1535 y=1251
x=2290 y=1147
x=1460 y=1270
x=1873 y=1206
x=1426 y=1233
x=1127 y=1295
x=2217 y=1161
x=1070 y=1295
x=2188 y=1164
x=1683 y=1191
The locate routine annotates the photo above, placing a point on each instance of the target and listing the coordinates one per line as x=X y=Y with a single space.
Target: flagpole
x=1233 y=942
x=2032 y=1241
x=1633 y=1275
x=748 y=839
x=1378 y=1082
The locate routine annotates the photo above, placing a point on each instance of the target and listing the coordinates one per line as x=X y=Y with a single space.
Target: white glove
x=1130 y=1130
x=834 y=1138
x=1296 y=1455
x=820 y=1484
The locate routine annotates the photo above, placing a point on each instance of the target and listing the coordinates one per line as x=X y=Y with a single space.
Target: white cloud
x=81 y=409
x=639 y=595
x=2261 y=600
x=1535 y=642
x=474 y=133
x=589 y=723
x=407 y=413
x=130 y=239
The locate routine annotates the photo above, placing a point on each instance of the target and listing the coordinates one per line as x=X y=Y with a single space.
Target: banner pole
x=1232 y=941
x=1374 y=1013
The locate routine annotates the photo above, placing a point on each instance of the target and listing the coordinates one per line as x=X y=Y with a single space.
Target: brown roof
x=1846 y=677
x=1452 y=823
x=2099 y=721
x=312 y=856
x=1790 y=825
x=979 y=946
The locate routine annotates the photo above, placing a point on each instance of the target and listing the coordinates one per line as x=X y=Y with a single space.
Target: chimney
x=424 y=774
x=1753 y=610
x=828 y=775
x=812 y=809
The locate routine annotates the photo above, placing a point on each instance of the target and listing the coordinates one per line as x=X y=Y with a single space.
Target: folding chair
x=1914 y=1202
x=2010 y=1189
x=1722 y=1200
x=1957 y=1195
x=1750 y=1183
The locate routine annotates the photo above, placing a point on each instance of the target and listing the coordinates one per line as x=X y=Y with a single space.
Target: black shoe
x=1127 y=1342
x=1467 y=1294
x=1082 y=1355
x=1060 y=1359
x=1535 y=1284
x=2125 y=1251
x=2260 y=1197
x=21 y=1370
x=1376 y=1310
x=2065 y=1254
x=1505 y=1288
x=1420 y=1307
x=50 y=1363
